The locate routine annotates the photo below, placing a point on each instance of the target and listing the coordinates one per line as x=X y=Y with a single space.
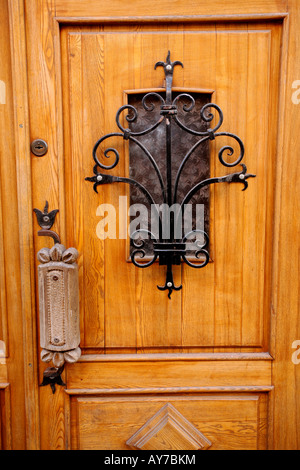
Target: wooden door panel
x=161 y=372
x=228 y=422
x=225 y=400
x=205 y=352
x=77 y=8
x=225 y=304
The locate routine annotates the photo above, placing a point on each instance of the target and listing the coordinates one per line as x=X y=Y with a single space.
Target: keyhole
x=39 y=147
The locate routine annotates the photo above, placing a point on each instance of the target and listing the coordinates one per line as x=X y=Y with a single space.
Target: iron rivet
x=55 y=278
x=242 y=177
x=169 y=284
x=56 y=340
x=46 y=218
x=99 y=178
x=169 y=67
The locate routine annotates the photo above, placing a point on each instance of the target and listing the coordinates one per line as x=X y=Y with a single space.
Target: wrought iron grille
x=170 y=250
x=140 y=169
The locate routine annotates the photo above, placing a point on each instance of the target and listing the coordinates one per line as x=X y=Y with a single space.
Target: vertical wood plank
x=86 y=78
x=120 y=321
x=257 y=204
x=199 y=284
x=27 y=345
x=11 y=350
x=73 y=160
x=231 y=76
x=43 y=121
x=276 y=63
x=286 y=287
x=93 y=124
x=4 y=114
x=154 y=306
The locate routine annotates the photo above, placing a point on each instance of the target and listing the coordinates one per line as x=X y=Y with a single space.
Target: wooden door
x=197 y=371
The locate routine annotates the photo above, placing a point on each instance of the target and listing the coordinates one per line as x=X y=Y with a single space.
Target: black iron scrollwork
x=170 y=251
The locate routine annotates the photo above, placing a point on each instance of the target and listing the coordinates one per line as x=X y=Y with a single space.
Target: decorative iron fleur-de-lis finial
x=168 y=65
x=45 y=219
x=168 y=68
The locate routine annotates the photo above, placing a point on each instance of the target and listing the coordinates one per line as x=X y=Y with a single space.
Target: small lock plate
x=39 y=147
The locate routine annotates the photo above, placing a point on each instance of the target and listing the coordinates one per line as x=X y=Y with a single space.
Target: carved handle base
x=60 y=357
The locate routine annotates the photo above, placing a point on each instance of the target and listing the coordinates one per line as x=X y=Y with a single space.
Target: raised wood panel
x=77 y=8
x=229 y=422
x=121 y=305
x=143 y=371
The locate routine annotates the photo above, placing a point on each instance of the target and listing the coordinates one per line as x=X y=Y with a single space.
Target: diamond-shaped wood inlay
x=168 y=430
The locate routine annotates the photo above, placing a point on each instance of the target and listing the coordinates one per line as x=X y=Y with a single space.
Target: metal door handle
x=58 y=302
x=59 y=305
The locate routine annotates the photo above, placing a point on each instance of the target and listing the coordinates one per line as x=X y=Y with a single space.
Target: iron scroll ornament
x=173 y=250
